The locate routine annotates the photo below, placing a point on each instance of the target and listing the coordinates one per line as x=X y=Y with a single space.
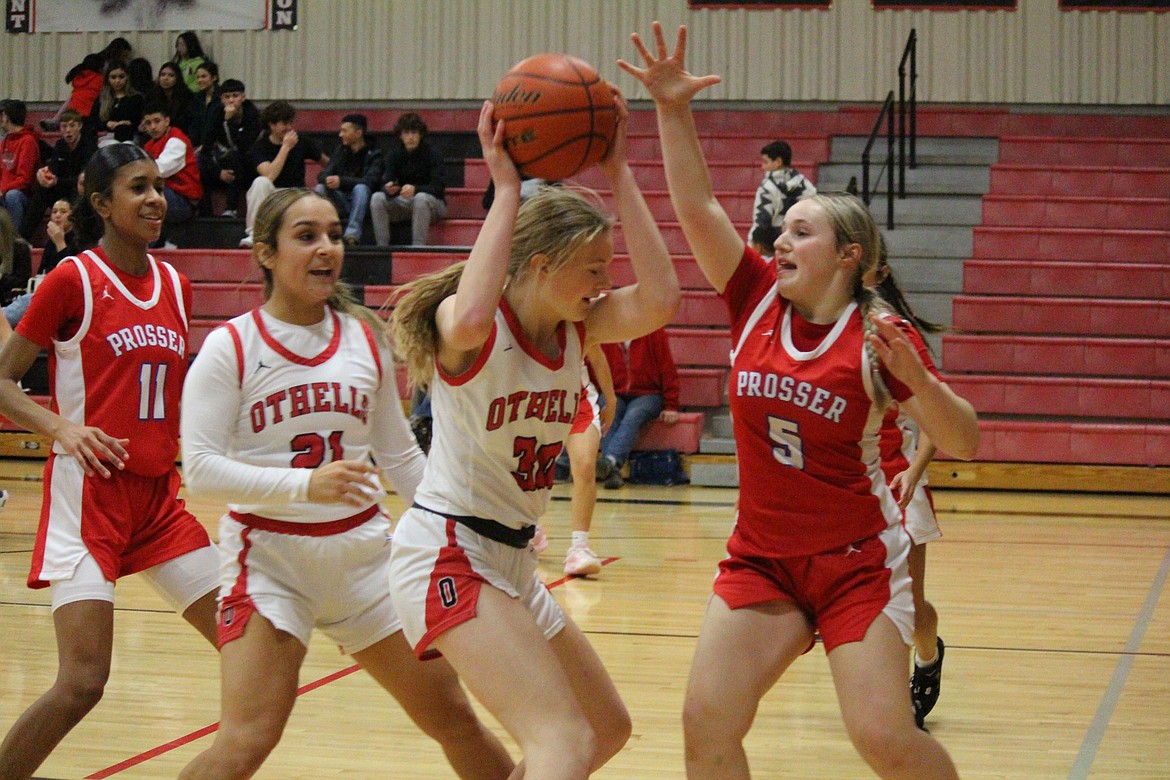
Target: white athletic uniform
x=265 y=403
x=899 y=443
x=498 y=428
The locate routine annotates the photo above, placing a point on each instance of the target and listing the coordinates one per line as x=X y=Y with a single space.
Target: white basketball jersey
x=302 y=406
x=500 y=425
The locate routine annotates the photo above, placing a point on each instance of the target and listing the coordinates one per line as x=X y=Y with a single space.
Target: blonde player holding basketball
x=501 y=340
x=284 y=409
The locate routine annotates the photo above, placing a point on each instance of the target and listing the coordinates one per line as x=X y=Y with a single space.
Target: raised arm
x=652 y=301
x=709 y=231
x=465 y=319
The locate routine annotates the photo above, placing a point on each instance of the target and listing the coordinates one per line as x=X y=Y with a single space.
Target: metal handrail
x=887 y=113
x=909 y=52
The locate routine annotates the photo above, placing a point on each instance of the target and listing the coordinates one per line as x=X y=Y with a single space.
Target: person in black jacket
x=412 y=184
x=58 y=177
x=353 y=172
x=232 y=129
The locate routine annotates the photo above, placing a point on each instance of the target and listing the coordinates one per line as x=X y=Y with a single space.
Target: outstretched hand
x=897 y=353
x=665 y=76
x=499 y=164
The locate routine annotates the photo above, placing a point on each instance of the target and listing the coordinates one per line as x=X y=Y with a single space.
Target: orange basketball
x=559 y=116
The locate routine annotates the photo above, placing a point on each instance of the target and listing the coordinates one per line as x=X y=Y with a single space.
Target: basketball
x=559 y=115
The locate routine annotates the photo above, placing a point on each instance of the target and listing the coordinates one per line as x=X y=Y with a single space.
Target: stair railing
x=907 y=109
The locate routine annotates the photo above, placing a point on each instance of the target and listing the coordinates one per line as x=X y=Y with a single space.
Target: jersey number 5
x=789 y=449
x=535 y=470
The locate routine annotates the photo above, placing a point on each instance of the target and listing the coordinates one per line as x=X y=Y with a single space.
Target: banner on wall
x=947 y=5
x=1115 y=5
x=759 y=4
x=29 y=16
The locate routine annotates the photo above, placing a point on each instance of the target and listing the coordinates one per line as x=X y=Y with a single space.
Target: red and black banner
x=946 y=5
x=1115 y=5
x=796 y=4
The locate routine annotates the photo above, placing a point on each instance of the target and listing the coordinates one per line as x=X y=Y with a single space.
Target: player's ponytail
x=416 y=336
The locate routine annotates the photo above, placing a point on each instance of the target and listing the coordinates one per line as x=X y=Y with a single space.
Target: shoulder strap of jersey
x=753 y=318
x=86 y=296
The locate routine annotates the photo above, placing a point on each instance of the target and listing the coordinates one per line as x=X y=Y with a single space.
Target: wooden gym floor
x=1054 y=606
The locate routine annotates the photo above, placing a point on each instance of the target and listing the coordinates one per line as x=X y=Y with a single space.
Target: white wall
x=365 y=51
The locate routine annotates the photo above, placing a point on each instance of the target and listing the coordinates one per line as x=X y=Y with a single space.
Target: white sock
x=923 y=664
x=580 y=539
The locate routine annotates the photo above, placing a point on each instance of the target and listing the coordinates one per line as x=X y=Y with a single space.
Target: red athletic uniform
x=117 y=348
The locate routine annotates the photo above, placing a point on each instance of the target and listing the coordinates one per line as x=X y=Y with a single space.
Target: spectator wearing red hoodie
x=172 y=150
x=646 y=382
x=20 y=155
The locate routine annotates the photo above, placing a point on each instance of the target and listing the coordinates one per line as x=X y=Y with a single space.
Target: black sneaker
x=925 y=684
x=604 y=467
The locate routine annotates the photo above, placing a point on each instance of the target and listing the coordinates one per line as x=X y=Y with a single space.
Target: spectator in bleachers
x=175 y=155
x=85 y=80
x=118 y=110
x=232 y=129
x=20 y=156
x=15 y=260
x=206 y=98
x=141 y=74
x=169 y=88
x=58 y=177
x=278 y=158
x=412 y=187
x=188 y=57
x=645 y=379
x=352 y=175
x=62 y=242
x=782 y=186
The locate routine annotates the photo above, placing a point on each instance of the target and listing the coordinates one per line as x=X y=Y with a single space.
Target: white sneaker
x=3 y=498
x=246 y=242
x=580 y=561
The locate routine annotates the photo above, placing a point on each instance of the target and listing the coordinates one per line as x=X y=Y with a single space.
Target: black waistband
x=497 y=532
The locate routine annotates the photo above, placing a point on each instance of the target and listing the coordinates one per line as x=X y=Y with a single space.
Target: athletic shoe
x=580 y=561
x=3 y=498
x=925 y=684
x=614 y=480
x=246 y=242
x=604 y=467
x=229 y=213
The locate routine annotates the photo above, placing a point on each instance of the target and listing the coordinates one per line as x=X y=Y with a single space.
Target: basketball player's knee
x=707 y=723
x=612 y=734
x=880 y=745
x=82 y=687
x=246 y=749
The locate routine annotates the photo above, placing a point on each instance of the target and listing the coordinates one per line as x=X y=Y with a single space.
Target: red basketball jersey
x=117 y=352
x=806 y=426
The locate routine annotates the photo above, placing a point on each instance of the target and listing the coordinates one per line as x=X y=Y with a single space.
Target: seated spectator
x=20 y=155
x=172 y=151
x=646 y=382
x=141 y=74
x=412 y=185
x=188 y=57
x=232 y=128
x=85 y=80
x=782 y=186
x=351 y=175
x=15 y=260
x=199 y=113
x=118 y=110
x=169 y=88
x=61 y=244
x=278 y=158
x=58 y=177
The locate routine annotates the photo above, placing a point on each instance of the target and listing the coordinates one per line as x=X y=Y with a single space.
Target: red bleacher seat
x=683 y=436
x=1023 y=277
x=1086 y=397
x=1064 y=211
x=216 y=299
x=726 y=176
x=1066 y=316
x=1123 y=152
x=1057 y=356
x=1101 y=181
x=1090 y=243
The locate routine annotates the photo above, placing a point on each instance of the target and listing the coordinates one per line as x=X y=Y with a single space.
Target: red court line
x=214 y=727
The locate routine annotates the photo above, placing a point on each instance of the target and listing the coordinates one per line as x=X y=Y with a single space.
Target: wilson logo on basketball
x=516 y=96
